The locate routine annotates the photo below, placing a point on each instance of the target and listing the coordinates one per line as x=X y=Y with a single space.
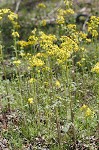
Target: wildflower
x=15 y=24
x=88 y=112
x=5 y=11
x=35 y=62
x=71 y=26
x=28 y=54
x=30 y=100
x=43 y=22
x=57 y=83
x=17 y=62
x=29 y=68
x=61 y=12
x=94 y=33
x=12 y=16
x=96 y=68
x=68 y=3
x=39 y=55
x=79 y=63
x=60 y=20
x=22 y=43
x=93 y=26
x=32 y=40
x=32 y=80
x=84 y=107
x=46 y=83
x=41 y=5
x=46 y=39
x=82 y=49
x=83 y=59
x=34 y=31
x=88 y=40
x=15 y=34
x=69 y=12
x=82 y=35
x=22 y=54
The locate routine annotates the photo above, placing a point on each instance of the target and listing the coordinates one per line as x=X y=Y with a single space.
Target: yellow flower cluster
x=67 y=47
x=60 y=19
x=68 y=3
x=17 y=62
x=30 y=100
x=11 y=16
x=69 y=12
x=32 y=40
x=84 y=107
x=59 y=52
x=96 y=68
x=4 y=11
x=93 y=26
x=15 y=34
x=87 y=111
x=43 y=22
x=46 y=40
x=35 y=62
x=57 y=84
x=22 y=54
x=41 y=5
x=22 y=43
x=61 y=15
x=32 y=80
x=76 y=36
x=71 y=26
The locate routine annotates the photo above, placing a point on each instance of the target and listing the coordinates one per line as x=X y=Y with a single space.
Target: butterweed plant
x=54 y=87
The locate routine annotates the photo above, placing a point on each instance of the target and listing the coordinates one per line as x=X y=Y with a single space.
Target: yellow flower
x=12 y=16
x=71 y=26
x=15 y=24
x=29 y=68
x=94 y=33
x=69 y=11
x=93 y=26
x=32 y=40
x=79 y=63
x=34 y=31
x=96 y=68
x=32 y=80
x=30 y=100
x=88 y=40
x=57 y=84
x=83 y=59
x=35 y=62
x=17 y=62
x=60 y=20
x=41 y=5
x=15 y=34
x=84 y=107
x=68 y=3
x=22 y=54
x=88 y=112
x=5 y=11
x=22 y=43
x=43 y=22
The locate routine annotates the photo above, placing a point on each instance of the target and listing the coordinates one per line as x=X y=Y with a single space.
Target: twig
x=17 y=6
